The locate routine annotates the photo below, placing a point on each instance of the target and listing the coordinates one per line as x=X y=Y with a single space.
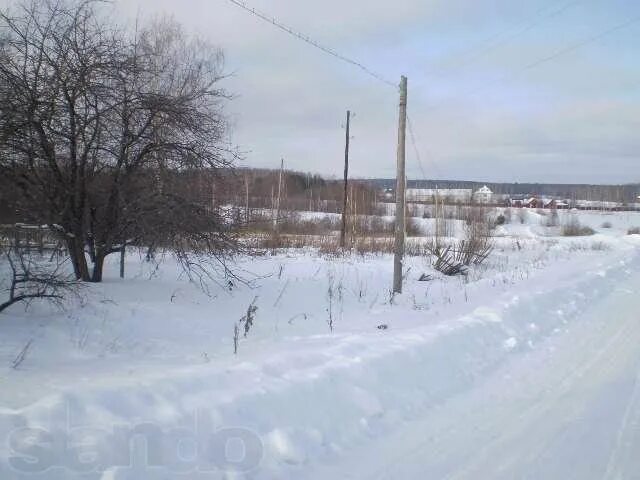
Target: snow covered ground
x=526 y=368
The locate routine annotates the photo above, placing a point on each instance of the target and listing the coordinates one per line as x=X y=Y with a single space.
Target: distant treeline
x=258 y=188
x=611 y=193
x=251 y=188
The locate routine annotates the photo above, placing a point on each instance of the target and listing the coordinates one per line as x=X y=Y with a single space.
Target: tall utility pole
x=401 y=184
x=276 y=219
x=343 y=231
x=246 y=199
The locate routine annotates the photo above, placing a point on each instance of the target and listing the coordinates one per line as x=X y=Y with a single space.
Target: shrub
x=553 y=220
x=633 y=231
x=456 y=259
x=472 y=250
x=606 y=225
x=522 y=215
x=507 y=215
x=447 y=261
x=573 y=228
x=500 y=220
x=600 y=247
x=413 y=228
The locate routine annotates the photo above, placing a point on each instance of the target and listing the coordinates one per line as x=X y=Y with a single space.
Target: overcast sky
x=481 y=106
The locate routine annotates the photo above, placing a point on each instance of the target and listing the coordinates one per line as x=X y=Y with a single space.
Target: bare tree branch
x=101 y=131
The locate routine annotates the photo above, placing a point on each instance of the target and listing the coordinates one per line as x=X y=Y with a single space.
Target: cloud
x=476 y=113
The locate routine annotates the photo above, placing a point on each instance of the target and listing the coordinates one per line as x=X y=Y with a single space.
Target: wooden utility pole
x=246 y=199
x=343 y=231
x=401 y=184
x=122 y=255
x=276 y=218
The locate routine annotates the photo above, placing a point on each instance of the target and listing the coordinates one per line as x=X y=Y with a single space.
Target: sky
x=498 y=90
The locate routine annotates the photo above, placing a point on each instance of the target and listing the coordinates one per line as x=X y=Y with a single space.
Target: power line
x=558 y=53
x=415 y=147
x=493 y=45
x=493 y=42
x=310 y=41
x=412 y=137
x=586 y=41
x=569 y=49
x=373 y=74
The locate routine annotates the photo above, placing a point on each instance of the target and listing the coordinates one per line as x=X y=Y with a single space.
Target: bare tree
x=102 y=127
x=32 y=277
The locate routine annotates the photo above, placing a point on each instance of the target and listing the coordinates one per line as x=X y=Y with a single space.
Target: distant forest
x=614 y=193
x=258 y=188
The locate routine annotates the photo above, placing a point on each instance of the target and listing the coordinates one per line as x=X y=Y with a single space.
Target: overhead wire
x=412 y=138
x=310 y=41
x=558 y=53
x=373 y=74
x=582 y=43
x=503 y=41
x=330 y=51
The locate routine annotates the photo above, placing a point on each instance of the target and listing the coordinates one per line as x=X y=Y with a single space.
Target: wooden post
x=401 y=184
x=343 y=230
x=437 y=218
x=246 y=199
x=273 y=207
x=213 y=196
x=122 y=255
x=354 y=209
x=276 y=218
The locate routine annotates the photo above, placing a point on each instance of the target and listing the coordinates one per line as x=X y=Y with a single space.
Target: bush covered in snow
x=573 y=228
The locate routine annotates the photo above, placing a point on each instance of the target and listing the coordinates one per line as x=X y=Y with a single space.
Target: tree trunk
x=78 y=259
x=98 y=266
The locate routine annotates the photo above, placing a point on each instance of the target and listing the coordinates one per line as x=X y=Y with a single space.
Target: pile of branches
x=455 y=259
x=447 y=261
x=473 y=252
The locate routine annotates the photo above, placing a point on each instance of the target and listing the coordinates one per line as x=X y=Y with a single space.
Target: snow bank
x=149 y=359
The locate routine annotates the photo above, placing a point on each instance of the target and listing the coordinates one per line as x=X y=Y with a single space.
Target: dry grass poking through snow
x=573 y=228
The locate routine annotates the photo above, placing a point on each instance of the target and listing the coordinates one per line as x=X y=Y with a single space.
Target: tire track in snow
x=535 y=416
x=451 y=433
x=534 y=425
x=449 y=436
x=623 y=451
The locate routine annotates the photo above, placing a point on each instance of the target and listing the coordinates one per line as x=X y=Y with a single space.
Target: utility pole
x=246 y=199
x=122 y=255
x=401 y=184
x=276 y=219
x=343 y=231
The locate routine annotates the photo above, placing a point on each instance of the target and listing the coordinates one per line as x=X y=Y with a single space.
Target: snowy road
x=568 y=410
x=528 y=370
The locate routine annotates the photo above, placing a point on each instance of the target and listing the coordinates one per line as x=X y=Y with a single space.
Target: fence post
x=122 y=254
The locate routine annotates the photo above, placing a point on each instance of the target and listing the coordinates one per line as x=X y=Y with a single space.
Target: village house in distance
x=453 y=195
x=484 y=195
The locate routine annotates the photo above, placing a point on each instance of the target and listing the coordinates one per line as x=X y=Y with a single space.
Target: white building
x=446 y=195
x=483 y=195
